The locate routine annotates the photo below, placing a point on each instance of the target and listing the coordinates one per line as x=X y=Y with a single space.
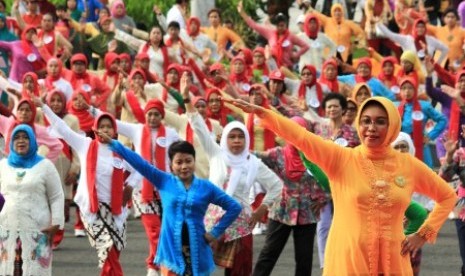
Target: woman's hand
x=184 y=85
x=127 y=194
x=245 y=106
x=37 y=101
x=50 y=231
x=449 y=145
x=104 y=138
x=412 y=243
x=210 y=239
x=257 y=215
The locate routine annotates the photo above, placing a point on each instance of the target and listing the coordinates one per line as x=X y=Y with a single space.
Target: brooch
x=400 y=181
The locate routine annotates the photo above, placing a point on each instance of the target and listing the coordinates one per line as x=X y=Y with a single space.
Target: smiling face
x=183 y=166
x=214 y=103
x=373 y=126
x=333 y=109
x=56 y=103
x=21 y=143
x=236 y=141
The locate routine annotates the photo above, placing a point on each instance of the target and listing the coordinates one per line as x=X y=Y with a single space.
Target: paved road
x=75 y=257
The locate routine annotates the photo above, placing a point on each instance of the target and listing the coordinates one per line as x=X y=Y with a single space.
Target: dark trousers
x=276 y=238
x=460 y=225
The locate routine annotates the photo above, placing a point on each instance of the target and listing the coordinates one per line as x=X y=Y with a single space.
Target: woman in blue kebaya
x=183 y=247
x=415 y=114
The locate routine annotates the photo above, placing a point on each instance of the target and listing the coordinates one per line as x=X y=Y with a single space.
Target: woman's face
x=56 y=104
x=24 y=113
x=388 y=69
x=124 y=64
x=201 y=107
x=362 y=95
x=172 y=76
x=30 y=34
x=21 y=143
x=421 y=29
x=183 y=166
x=102 y=13
x=450 y=19
x=214 y=19
x=363 y=70
x=105 y=125
x=47 y=22
x=77 y=102
x=350 y=114
x=238 y=67
x=53 y=68
x=330 y=72
x=307 y=76
x=71 y=4
x=281 y=27
x=373 y=126
x=29 y=83
x=258 y=58
x=407 y=90
x=406 y=65
x=114 y=66
x=155 y=35
x=256 y=97
x=214 y=103
x=106 y=26
x=138 y=81
x=276 y=87
x=153 y=118
x=193 y=27
x=333 y=109
x=402 y=146
x=338 y=15
x=119 y=10
x=236 y=141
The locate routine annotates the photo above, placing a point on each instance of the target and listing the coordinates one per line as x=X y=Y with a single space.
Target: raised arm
x=53 y=144
x=397 y=38
x=75 y=140
x=157 y=177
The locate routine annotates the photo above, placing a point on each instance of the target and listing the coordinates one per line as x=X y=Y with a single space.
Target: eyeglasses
x=379 y=122
x=401 y=147
x=306 y=74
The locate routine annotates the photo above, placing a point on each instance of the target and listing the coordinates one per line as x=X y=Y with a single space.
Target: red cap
x=216 y=66
x=276 y=75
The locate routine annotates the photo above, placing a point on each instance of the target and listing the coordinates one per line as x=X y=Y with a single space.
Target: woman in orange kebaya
x=366 y=237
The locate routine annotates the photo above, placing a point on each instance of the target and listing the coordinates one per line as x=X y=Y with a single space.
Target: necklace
x=20 y=176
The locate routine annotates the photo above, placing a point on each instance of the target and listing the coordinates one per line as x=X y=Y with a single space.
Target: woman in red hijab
x=216 y=109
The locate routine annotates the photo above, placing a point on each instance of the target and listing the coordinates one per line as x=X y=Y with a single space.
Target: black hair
x=280 y=17
x=182 y=1
x=335 y=96
x=61 y=8
x=162 y=42
x=228 y=21
x=214 y=10
x=283 y=90
x=174 y=24
x=3 y=3
x=451 y=10
x=180 y=147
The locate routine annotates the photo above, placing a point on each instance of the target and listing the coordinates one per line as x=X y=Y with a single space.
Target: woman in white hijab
x=234 y=169
x=404 y=143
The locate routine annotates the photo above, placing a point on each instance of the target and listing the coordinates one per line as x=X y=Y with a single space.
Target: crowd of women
x=335 y=131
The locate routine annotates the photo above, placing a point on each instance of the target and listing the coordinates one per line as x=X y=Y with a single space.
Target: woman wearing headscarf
x=55 y=79
x=239 y=75
x=204 y=48
x=182 y=126
x=33 y=210
x=67 y=163
x=405 y=14
x=340 y=31
x=151 y=140
x=27 y=54
x=297 y=212
x=5 y=35
x=418 y=41
x=417 y=211
x=101 y=194
x=360 y=93
x=321 y=46
x=388 y=73
x=414 y=114
x=452 y=167
x=119 y=15
x=364 y=75
x=78 y=107
x=385 y=178
x=235 y=170
x=216 y=109
x=279 y=38
x=30 y=86
x=25 y=114
x=328 y=78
